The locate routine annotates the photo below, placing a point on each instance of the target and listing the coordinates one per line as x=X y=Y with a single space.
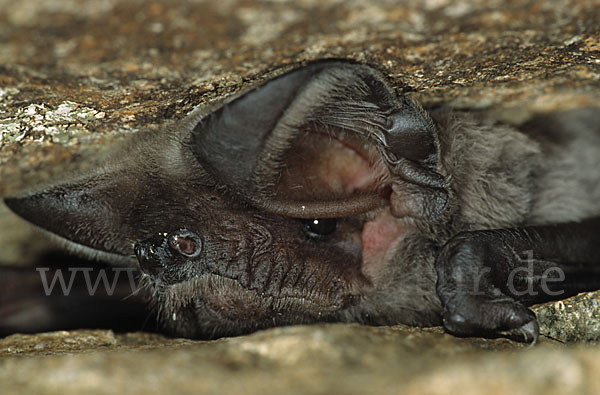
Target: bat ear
x=323 y=140
x=88 y=212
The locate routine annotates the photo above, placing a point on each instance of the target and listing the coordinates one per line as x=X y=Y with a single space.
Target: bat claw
x=527 y=333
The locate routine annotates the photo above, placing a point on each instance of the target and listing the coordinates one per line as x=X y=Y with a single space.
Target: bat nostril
x=147 y=260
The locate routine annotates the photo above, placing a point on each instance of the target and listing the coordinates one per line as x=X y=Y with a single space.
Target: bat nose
x=148 y=261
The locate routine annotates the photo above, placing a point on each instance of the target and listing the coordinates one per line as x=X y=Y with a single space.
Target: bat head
x=310 y=198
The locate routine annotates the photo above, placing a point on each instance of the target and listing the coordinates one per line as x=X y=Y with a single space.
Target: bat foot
x=472 y=285
x=491 y=318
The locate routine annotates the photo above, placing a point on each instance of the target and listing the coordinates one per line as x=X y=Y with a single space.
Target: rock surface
x=78 y=75
x=571 y=320
x=337 y=358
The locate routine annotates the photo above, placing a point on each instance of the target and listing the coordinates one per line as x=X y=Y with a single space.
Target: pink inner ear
x=322 y=166
x=378 y=235
x=333 y=167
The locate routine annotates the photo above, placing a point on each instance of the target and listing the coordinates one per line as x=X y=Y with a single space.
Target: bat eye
x=319 y=228
x=185 y=243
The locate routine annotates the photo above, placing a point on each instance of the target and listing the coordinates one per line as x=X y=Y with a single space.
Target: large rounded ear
x=325 y=140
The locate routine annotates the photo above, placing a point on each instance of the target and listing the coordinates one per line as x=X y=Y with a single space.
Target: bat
x=323 y=195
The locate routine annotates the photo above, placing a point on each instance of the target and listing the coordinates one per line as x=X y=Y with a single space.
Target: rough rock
x=336 y=358
x=571 y=320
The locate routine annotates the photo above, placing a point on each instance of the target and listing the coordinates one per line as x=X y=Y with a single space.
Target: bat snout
x=149 y=258
x=166 y=250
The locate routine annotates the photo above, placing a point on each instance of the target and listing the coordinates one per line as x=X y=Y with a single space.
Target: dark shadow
x=92 y=295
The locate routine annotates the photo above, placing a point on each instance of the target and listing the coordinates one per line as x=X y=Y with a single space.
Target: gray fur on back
x=506 y=177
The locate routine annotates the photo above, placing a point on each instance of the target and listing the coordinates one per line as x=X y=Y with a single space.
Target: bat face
x=324 y=196
x=288 y=204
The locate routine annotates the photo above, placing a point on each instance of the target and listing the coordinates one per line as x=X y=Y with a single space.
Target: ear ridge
x=246 y=144
x=321 y=103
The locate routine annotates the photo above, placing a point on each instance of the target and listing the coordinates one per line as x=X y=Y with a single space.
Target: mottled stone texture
x=323 y=359
x=571 y=320
x=77 y=74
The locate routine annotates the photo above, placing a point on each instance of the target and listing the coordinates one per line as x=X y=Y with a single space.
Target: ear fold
x=317 y=142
